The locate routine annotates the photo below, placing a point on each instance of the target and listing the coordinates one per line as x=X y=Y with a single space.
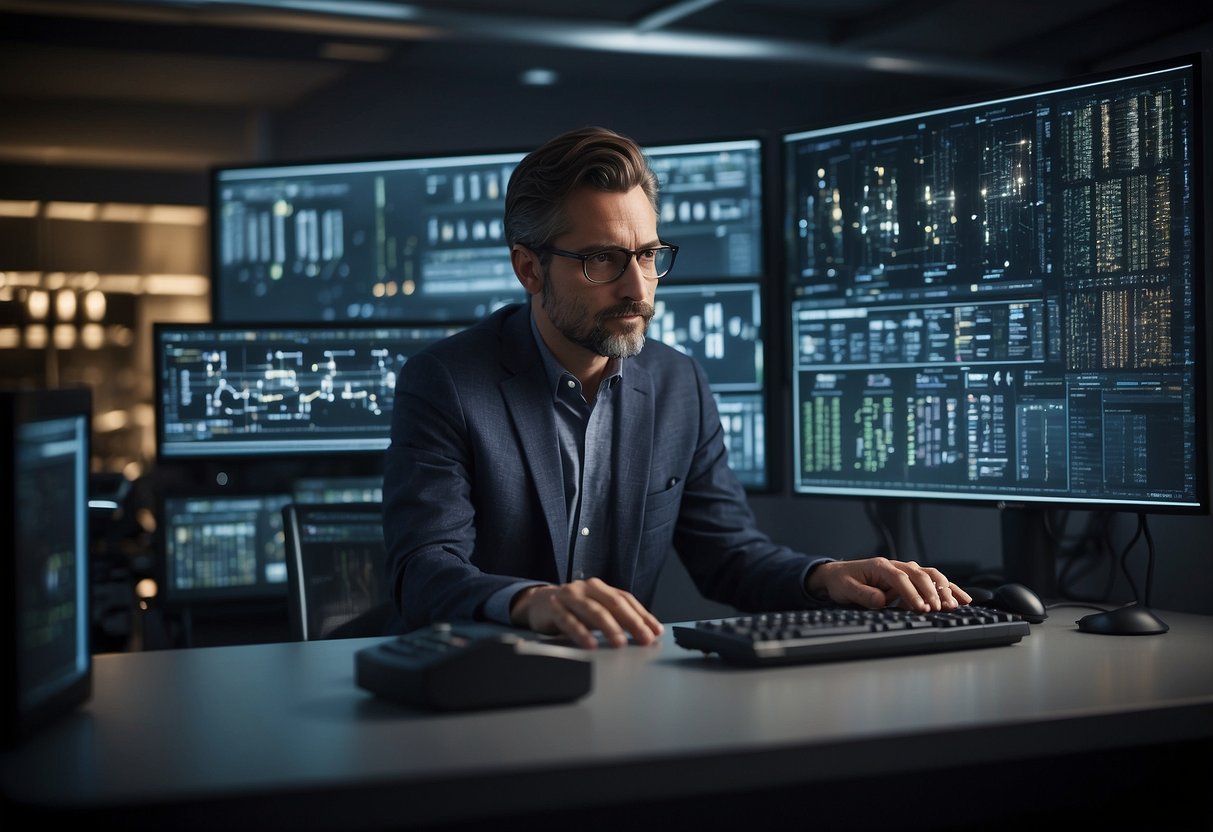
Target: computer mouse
x=1129 y=620
x=1012 y=598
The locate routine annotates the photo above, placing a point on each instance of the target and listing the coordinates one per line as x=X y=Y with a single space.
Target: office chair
x=336 y=570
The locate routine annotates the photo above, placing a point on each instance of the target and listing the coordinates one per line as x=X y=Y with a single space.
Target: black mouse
x=1013 y=598
x=1130 y=620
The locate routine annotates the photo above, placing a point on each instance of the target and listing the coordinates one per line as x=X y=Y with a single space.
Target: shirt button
x=571 y=383
x=585 y=531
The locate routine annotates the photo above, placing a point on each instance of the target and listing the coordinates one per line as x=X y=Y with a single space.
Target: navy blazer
x=474 y=495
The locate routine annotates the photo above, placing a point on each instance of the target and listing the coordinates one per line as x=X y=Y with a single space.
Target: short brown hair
x=593 y=156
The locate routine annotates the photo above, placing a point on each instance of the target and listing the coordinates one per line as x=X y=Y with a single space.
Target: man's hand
x=878 y=582
x=577 y=608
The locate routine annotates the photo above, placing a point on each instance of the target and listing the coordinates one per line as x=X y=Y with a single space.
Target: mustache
x=623 y=310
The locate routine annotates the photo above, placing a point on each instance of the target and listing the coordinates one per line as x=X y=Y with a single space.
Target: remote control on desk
x=465 y=666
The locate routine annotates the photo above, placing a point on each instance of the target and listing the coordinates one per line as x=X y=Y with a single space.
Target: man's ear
x=527 y=269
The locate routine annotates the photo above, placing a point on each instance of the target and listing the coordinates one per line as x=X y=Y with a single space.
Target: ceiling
x=179 y=84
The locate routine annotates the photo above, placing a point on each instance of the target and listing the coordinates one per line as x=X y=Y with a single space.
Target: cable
x=874 y=518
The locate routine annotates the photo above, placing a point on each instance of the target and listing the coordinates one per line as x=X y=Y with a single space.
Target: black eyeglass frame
x=632 y=254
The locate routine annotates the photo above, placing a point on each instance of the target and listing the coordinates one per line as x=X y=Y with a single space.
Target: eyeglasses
x=608 y=265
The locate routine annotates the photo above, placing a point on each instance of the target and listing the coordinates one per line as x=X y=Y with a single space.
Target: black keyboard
x=836 y=634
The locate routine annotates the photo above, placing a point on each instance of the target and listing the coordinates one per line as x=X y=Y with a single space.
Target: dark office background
x=114 y=112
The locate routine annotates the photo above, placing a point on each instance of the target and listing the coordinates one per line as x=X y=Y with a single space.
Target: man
x=545 y=461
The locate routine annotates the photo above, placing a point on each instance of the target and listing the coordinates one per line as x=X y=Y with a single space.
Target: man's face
x=608 y=319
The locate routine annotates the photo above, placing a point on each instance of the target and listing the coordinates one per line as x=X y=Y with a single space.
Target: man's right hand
x=577 y=608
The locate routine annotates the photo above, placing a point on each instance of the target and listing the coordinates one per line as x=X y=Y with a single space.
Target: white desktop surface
x=286 y=721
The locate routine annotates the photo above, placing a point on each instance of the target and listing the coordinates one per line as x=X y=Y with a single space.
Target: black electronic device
x=843 y=634
x=1004 y=302
x=46 y=664
x=233 y=391
x=1011 y=597
x=1129 y=620
x=467 y=666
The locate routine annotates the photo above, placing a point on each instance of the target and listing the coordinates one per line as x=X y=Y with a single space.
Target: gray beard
x=570 y=319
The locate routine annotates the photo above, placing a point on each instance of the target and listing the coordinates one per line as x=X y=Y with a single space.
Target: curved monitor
x=1005 y=300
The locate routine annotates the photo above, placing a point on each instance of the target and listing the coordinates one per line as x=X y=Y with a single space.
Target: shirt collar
x=557 y=373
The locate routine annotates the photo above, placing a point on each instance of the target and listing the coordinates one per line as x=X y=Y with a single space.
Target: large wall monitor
x=402 y=239
x=720 y=325
x=423 y=238
x=242 y=391
x=1005 y=300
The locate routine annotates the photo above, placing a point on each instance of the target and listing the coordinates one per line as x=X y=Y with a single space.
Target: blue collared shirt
x=585 y=434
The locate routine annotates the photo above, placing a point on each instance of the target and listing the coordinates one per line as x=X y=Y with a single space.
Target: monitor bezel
x=280 y=448
x=1201 y=64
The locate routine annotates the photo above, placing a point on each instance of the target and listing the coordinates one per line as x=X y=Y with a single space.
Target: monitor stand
x=1027 y=551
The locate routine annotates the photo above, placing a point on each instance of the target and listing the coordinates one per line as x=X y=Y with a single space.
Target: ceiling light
x=539 y=77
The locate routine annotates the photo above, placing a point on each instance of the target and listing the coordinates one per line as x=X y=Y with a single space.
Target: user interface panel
x=50 y=555
x=224 y=546
x=720 y=325
x=1002 y=301
x=404 y=239
x=711 y=206
x=232 y=391
x=341 y=556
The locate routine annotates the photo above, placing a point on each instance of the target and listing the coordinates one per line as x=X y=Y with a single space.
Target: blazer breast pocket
x=661 y=507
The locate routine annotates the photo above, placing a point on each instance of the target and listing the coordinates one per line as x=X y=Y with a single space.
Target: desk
x=278 y=736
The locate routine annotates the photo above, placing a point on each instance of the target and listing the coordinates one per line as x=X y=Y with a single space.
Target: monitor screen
x=711 y=206
x=307 y=490
x=401 y=239
x=1003 y=301
x=720 y=325
x=340 y=560
x=48 y=666
x=236 y=391
x=422 y=239
x=220 y=547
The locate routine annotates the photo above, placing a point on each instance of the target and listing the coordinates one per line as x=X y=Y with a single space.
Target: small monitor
x=233 y=391
x=394 y=239
x=337 y=566
x=44 y=580
x=338 y=489
x=720 y=325
x=223 y=547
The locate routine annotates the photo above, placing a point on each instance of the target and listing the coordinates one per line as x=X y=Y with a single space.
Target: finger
x=915 y=588
x=933 y=586
x=625 y=614
x=654 y=625
x=567 y=622
x=599 y=610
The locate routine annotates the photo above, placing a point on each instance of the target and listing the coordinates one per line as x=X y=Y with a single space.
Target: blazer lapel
x=529 y=402
x=632 y=457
